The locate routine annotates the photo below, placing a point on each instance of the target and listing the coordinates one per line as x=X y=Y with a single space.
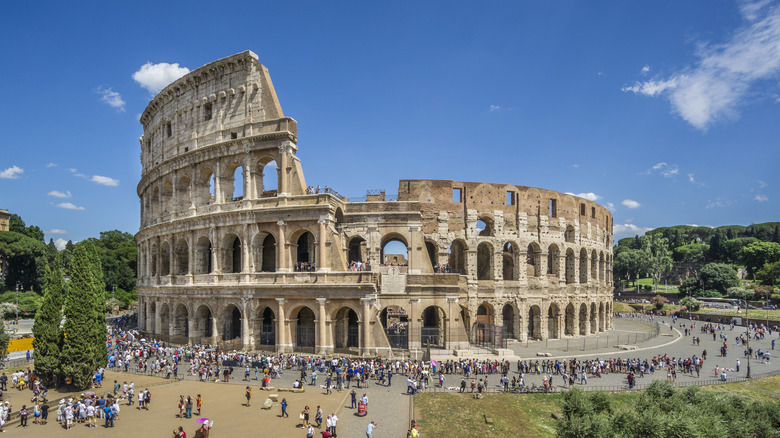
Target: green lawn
x=756 y=314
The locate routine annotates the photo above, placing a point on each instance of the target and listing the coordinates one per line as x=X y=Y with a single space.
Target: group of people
x=359 y=266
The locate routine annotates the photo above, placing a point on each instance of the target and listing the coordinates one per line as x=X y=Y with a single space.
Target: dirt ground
x=223 y=403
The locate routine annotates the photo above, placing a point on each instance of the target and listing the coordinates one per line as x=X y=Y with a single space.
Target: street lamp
x=747 y=332
x=18 y=287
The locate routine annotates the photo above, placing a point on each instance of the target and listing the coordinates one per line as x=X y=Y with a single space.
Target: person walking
x=199 y=402
x=370 y=429
x=248 y=395
x=284 y=408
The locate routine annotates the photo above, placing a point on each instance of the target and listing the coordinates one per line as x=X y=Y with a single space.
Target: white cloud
x=718 y=203
x=693 y=180
x=645 y=70
x=761 y=184
x=601 y=73
x=665 y=169
x=56 y=231
x=112 y=98
x=575 y=166
x=60 y=243
x=628 y=230
x=104 y=180
x=69 y=206
x=494 y=108
x=631 y=203
x=590 y=196
x=155 y=77
x=13 y=172
x=715 y=87
x=610 y=206
x=58 y=194
x=51 y=165
x=761 y=198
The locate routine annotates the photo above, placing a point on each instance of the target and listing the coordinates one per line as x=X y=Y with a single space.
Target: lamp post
x=18 y=287
x=747 y=332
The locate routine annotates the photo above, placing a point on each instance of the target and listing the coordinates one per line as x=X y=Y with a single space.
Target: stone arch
x=484 y=261
x=570 y=264
x=568 y=235
x=265 y=326
x=181 y=321
x=156 y=203
x=233 y=182
x=398 y=259
x=583 y=319
x=458 y=259
x=594 y=265
x=264 y=252
x=165 y=259
x=184 y=192
x=165 y=320
x=583 y=265
x=305 y=330
x=266 y=177
x=153 y=317
x=553 y=314
x=602 y=265
x=601 y=317
x=485 y=226
x=204 y=187
x=594 y=327
x=534 y=322
x=231 y=322
x=181 y=265
x=569 y=327
x=433 y=327
x=508 y=319
x=346 y=329
x=203 y=256
x=304 y=250
x=166 y=197
x=508 y=270
x=395 y=322
x=356 y=249
x=231 y=247
x=485 y=313
x=553 y=259
x=203 y=322
x=533 y=260
x=154 y=259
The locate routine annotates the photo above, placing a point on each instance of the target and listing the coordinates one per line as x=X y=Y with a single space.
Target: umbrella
x=435 y=363
x=89 y=393
x=202 y=420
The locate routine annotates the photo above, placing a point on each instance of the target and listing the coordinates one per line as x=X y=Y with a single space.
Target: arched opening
x=568 y=235
x=583 y=319
x=165 y=259
x=458 y=260
x=154 y=261
x=267 y=254
x=570 y=278
x=465 y=317
x=232 y=248
x=534 y=322
x=484 y=261
x=508 y=319
x=267 y=328
x=593 y=321
x=601 y=317
x=484 y=226
x=347 y=336
x=184 y=192
x=485 y=331
x=533 y=260
x=304 y=330
x=602 y=264
x=203 y=256
x=153 y=317
x=395 y=251
x=357 y=249
x=181 y=321
x=395 y=322
x=594 y=265
x=432 y=254
x=235 y=187
x=570 y=328
x=182 y=260
x=553 y=313
x=432 y=332
x=231 y=328
x=203 y=323
x=583 y=266
x=204 y=187
x=553 y=257
x=156 y=203
x=508 y=259
x=305 y=253
x=267 y=181
x=167 y=197
x=165 y=320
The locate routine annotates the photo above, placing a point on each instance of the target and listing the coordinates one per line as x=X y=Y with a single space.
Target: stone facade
x=233 y=246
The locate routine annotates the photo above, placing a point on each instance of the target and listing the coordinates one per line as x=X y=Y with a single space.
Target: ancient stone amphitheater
x=235 y=248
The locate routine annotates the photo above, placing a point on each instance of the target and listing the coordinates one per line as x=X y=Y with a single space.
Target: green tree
x=658 y=255
x=756 y=255
x=26 y=260
x=690 y=303
x=659 y=301
x=718 y=277
x=84 y=331
x=4 y=339
x=118 y=257
x=630 y=264
x=48 y=336
x=769 y=275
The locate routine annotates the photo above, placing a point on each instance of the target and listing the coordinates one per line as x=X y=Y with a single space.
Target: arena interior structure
x=234 y=247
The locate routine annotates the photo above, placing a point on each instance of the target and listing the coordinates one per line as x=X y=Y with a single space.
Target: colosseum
x=235 y=247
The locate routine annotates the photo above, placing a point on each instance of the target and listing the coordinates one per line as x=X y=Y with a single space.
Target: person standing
x=248 y=395
x=353 y=396
x=334 y=420
x=199 y=403
x=23 y=415
x=370 y=429
x=284 y=408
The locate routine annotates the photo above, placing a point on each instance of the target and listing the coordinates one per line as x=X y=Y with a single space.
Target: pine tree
x=84 y=343
x=48 y=336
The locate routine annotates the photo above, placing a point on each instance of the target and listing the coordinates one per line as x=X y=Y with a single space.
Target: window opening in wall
x=395 y=252
x=207 y=111
x=553 y=208
x=211 y=187
x=238 y=183
x=510 y=197
x=233 y=135
x=582 y=209
x=593 y=212
x=168 y=130
x=457 y=196
x=269 y=179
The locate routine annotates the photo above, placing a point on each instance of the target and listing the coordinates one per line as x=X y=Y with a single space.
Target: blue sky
x=666 y=112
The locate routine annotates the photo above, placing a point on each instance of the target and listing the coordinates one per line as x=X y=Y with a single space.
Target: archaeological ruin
x=234 y=247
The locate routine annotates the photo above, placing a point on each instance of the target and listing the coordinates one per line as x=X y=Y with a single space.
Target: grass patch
x=622 y=307
x=755 y=314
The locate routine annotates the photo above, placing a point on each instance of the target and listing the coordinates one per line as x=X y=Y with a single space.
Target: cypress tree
x=48 y=336
x=83 y=348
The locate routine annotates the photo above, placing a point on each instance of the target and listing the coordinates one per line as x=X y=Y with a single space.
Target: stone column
x=148 y=315
x=281 y=339
x=191 y=256
x=219 y=197
x=214 y=329
x=322 y=335
x=285 y=152
x=245 y=325
x=141 y=313
x=366 y=323
x=245 y=251
x=281 y=249
x=322 y=248
x=190 y=330
x=157 y=323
